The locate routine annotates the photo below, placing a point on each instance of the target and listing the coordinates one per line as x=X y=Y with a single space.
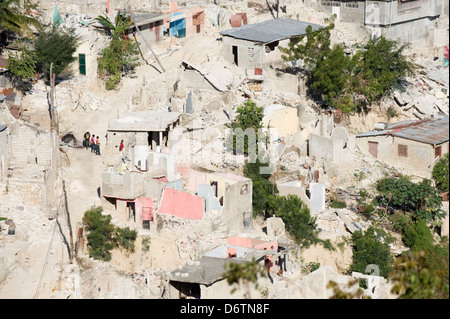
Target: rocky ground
x=34 y=260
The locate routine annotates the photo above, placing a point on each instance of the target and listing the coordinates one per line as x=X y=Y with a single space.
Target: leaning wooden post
x=68 y=222
x=145 y=41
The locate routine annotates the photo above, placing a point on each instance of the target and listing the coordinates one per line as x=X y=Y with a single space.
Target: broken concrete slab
x=348 y=224
x=207 y=193
x=282 y=118
x=317 y=197
x=275 y=227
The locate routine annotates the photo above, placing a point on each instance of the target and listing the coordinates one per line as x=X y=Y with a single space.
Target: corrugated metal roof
x=270 y=30
x=428 y=131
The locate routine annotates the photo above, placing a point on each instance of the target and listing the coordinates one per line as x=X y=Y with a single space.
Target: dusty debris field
x=34 y=262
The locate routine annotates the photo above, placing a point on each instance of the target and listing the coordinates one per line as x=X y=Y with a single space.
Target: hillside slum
x=174 y=181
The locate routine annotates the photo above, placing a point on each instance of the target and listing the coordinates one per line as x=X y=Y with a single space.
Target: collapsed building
x=29 y=160
x=247 y=45
x=205 y=276
x=402 y=20
x=148 y=182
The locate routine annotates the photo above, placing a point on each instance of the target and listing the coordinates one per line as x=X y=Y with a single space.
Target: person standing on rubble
x=92 y=143
x=121 y=147
x=86 y=143
x=97 y=146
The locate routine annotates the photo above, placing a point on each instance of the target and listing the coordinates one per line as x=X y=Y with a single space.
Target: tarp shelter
x=178 y=25
x=57 y=19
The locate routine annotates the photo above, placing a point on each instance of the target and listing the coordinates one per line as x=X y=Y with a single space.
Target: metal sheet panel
x=429 y=132
x=270 y=30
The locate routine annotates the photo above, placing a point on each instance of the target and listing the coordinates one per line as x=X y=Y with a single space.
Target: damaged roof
x=428 y=131
x=207 y=270
x=270 y=30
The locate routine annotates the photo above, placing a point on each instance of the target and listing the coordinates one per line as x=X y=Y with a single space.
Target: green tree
x=100 y=233
x=413 y=277
x=263 y=190
x=440 y=173
x=332 y=79
x=421 y=200
x=297 y=219
x=382 y=65
x=22 y=64
x=13 y=19
x=56 y=46
x=121 y=23
x=312 y=47
x=103 y=236
x=244 y=137
x=371 y=248
x=418 y=236
x=353 y=82
x=120 y=55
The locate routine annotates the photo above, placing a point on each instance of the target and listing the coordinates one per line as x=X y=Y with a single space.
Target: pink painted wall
x=183 y=169
x=189 y=13
x=190 y=27
x=240 y=241
x=195 y=179
x=181 y=204
x=142 y=202
x=252 y=243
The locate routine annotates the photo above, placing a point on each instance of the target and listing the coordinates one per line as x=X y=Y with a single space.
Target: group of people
x=92 y=142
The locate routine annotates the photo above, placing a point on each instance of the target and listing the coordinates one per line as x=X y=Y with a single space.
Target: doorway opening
x=235 y=55
x=131 y=211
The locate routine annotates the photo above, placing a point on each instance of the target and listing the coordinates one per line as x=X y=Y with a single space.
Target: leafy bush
x=103 y=236
x=297 y=219
x=353 y=82
x=441 y=173
x=421 y=200
x=421 y=275
x=121 y=54
x=263 y=190
x=99 y=233
x=338 y=204
x=418 y=236
x=371 y=248
x=247 y=123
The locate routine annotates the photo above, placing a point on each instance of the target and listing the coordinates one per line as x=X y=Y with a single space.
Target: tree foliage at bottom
x=103 y=236
x=371 y=249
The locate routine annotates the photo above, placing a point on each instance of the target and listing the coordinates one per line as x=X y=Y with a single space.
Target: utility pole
x=68 y=222
x=52 y=99
x=145 y=41
x=278 y=7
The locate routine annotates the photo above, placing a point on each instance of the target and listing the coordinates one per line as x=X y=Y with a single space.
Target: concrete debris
x=148 y=184
x=334 y=223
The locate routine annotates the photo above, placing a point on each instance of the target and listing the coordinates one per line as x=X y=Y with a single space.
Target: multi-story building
x=402 y=20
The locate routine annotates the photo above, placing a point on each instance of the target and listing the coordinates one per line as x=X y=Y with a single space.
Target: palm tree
x=13 y=20
x=122 y=23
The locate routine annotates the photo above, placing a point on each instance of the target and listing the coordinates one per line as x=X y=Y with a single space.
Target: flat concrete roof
x=145 y=121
